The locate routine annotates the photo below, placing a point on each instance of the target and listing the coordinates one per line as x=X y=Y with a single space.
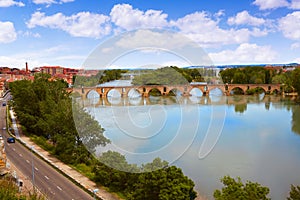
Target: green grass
x=43 y=143
x=84 y=169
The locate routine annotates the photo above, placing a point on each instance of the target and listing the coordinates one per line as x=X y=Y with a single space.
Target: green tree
x=164 y=184
x=44 y=109
x=294 y=193
x=239 y=78
x=227 y=75
x=296 y=79
x=296 y=119
x=235 y=189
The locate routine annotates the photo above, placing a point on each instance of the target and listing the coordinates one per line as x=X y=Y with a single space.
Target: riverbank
x=66 y=170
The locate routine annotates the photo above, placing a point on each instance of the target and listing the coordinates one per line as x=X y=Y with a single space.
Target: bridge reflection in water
x=169 y=100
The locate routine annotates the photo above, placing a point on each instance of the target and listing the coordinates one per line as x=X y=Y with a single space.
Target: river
x=254 y=137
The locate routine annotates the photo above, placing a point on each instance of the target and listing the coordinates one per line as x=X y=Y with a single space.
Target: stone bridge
x=185 y=90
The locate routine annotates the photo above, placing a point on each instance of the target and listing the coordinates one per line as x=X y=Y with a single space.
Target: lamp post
x=95 y=191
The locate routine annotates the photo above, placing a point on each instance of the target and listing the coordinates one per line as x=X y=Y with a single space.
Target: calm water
x=256 y=138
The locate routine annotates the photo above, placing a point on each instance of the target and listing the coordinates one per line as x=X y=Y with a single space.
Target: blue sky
x=65 y=32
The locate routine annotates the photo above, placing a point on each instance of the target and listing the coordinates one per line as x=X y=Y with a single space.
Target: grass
x=43 y=143
x=84 y=169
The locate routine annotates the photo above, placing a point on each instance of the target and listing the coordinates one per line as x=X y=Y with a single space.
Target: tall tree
x=235 y=189
x=294 y=193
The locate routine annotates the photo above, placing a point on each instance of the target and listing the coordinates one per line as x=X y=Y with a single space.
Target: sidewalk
x=70 y=172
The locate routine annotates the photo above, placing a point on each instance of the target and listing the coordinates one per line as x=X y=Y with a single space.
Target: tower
x=26 y=67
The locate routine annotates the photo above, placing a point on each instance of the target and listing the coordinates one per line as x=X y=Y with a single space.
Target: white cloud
x=29 y=34
x=245 y=53
x=297 y=60
x=19 y=62
x=49 y=2
x=290 y=25
x=82 y=24
x=66 y=1
x=62 y=55
x=204 y=30
x=7 y=33
x=270 y=4
x=149 y=38
x=295 y=46
x=8 y=3
x=124 y=16
x=295 y=4
x=43 y=1
x=256 y=32
x=245 y=18
x=220 y=13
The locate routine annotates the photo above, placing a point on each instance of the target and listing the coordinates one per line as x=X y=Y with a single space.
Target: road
x=44 y=177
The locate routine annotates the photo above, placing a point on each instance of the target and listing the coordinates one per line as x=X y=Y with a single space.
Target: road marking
x=47 y=177
x=28 y=161
x=36 y=169
x=58 y=188
x=14 y=149
x=20 y=155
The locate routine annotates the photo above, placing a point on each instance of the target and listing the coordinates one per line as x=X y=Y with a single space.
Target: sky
x=67 y=32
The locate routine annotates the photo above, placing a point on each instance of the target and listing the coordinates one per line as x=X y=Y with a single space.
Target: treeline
x=169 y=76
x=101 y=77
x=261 y=75
x=44 y=109
x=236 y=189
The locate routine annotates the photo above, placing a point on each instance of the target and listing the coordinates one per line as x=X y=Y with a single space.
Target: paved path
x=79 y=178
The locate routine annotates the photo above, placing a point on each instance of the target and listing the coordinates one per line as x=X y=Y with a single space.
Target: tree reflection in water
x=296 y=119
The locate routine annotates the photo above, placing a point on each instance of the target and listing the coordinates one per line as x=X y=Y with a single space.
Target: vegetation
x=10 y=191
x=296 y=79
x=290 y=80
x=294 y=193
x=168 y=76
x=44 y=109
x=100 y=77
x=235 y=189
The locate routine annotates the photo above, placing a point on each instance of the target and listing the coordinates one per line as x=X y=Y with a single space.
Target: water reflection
x=296 y=119
x=258 y=145
x=240 y=108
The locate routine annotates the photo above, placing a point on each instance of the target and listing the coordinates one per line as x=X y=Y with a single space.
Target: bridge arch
x=216 y=92
x=133 y=93
x=236 y=88
x=197 y=92
x=176 y=91
x=92 y=94
x=155 y=91
x=256 y=89
x=114 y=92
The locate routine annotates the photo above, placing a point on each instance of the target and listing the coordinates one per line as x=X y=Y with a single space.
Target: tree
x=235 y=189
x=294 y=193
x=163 y=184
x=239 y=78
x=227 y=75
x=44 y=109
x=296 y=79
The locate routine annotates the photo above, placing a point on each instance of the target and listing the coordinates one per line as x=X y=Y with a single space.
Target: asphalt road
x=44 y=177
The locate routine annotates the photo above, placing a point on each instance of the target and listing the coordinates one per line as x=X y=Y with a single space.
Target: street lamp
x=95 y=191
